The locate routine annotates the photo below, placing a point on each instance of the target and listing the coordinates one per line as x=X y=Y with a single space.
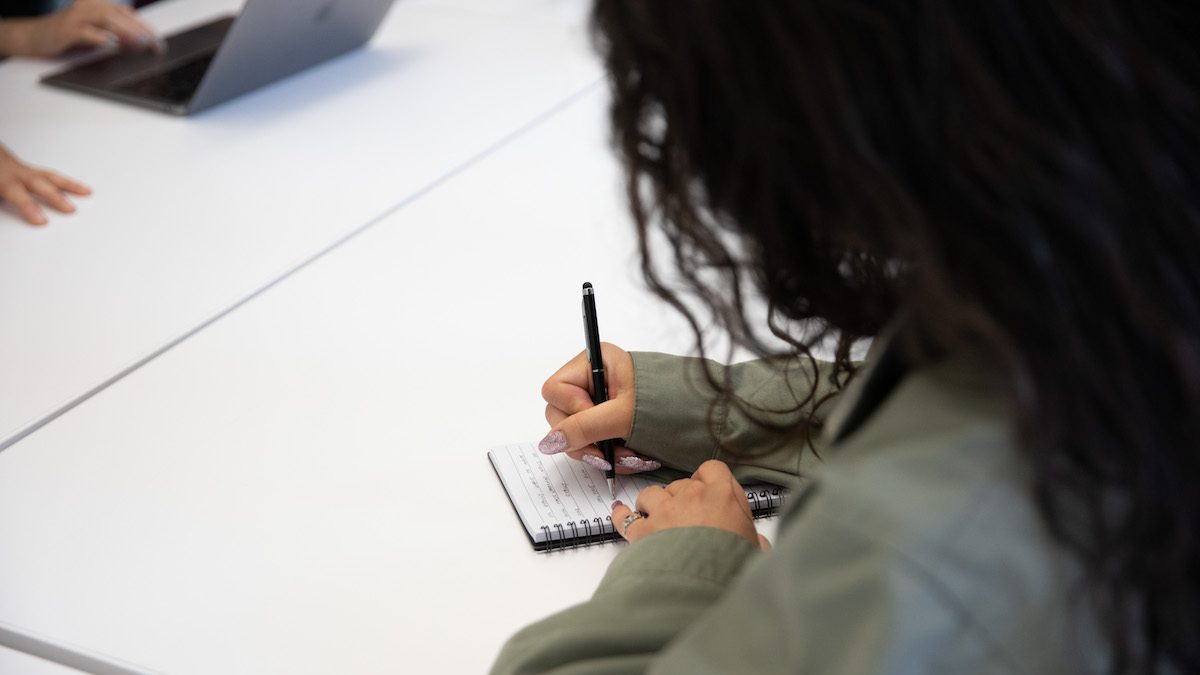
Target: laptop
x=219 y=60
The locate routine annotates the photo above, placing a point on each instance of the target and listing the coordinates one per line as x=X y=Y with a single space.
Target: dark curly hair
x=1021 y=176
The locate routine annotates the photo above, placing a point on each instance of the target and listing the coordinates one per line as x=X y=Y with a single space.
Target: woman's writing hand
x=85 y=23
x=712 y=497
x=576 y=425
x=22 y=186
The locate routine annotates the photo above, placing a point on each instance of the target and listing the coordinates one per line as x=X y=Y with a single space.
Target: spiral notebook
x=565 y=504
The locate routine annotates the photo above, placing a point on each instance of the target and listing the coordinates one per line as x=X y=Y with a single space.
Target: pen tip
x=612 y=487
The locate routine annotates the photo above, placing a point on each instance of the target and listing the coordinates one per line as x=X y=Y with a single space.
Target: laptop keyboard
x=176 y=84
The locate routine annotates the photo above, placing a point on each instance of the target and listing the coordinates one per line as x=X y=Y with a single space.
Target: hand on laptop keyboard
x=85 y=23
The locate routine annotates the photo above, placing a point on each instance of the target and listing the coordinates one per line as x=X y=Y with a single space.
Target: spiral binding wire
x=763 y=502
x=582 y=533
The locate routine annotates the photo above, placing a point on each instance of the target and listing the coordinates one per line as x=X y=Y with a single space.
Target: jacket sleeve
x=699 y=601
x=831 y=601
x=653 y=589
x=682 y=421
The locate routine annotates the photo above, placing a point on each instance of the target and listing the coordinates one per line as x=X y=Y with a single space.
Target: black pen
x=591 y=333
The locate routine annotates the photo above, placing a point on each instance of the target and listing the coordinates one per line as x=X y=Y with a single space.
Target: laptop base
x=165 y=82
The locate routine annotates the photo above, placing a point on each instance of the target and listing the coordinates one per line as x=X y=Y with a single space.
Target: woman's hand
x=20 y=184
x=576 y=424
x=85 y=23
x=712 y=497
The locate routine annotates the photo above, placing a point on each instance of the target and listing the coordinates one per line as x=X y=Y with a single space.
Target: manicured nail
x=616 y=504
x=597 y=463
x=554 y=443
x=635 y=463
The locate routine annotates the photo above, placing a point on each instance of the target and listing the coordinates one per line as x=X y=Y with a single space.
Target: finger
x=92 y=36
x=717 y=474
x=25 y=206
x=650 y=499
x=626 y=461
x=555 y=417
x=637 y=528
x=577 y=371
x=742 y=500
x=713 y=471
x=595 y=460
x=676 y=486
x=567 y=388
x=66 y=184
x=156 y=44
x=764 y=544
x=595 y=424
x=589 y=450
x=49 y=194
x=128 y=29
x=630 y=462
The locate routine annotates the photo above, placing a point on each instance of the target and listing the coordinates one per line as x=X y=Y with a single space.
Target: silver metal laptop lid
x=272 y=39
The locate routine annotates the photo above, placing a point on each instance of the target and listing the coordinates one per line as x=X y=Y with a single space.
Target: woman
x=1005 y=196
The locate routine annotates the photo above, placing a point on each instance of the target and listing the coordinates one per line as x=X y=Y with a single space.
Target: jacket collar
x=883 y=369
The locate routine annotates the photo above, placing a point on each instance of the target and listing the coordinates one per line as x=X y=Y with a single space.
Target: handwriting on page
x=555 y=489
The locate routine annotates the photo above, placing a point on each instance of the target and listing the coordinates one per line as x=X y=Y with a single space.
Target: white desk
x=302 y=486
x=13 y=662
x=192 y=216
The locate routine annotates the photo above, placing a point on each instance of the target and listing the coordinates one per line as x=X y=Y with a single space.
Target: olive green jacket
x=913 y=547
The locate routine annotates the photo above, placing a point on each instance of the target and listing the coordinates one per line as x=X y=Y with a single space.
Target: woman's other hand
x=22 y=186
x=712 y=497
x=85 y=23
x=576 y=425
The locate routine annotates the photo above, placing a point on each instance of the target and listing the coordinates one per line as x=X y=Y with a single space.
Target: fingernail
x=635 y=463
x=616 y=504
x=597 y=463
x=554 y=443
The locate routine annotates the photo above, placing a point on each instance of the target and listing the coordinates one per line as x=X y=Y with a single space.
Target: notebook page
x=553 y=491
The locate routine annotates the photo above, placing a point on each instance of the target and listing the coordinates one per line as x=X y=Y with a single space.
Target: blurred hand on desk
x=23 y=186
x=84 y=24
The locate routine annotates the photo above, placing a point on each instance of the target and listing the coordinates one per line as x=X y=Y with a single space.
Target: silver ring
x=629 y=520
